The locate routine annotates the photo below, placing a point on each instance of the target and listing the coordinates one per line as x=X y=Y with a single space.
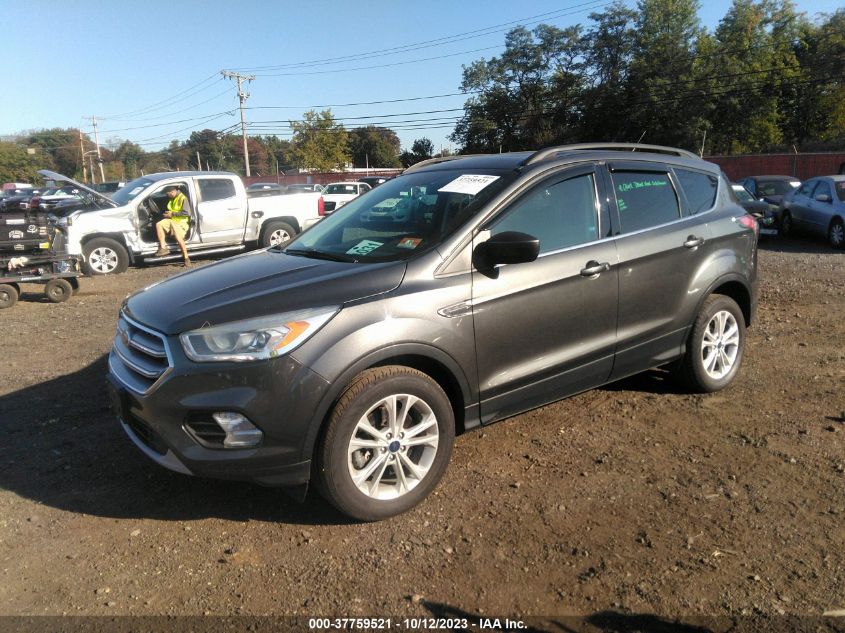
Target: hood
x=52 y=175
x=257 y=284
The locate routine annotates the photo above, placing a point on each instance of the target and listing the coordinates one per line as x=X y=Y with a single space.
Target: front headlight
x=255 y=339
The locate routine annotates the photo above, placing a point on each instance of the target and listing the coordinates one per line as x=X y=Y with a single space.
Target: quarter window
x=561 y=215
x=645 y=199
x=216 y=189
x=700 y=189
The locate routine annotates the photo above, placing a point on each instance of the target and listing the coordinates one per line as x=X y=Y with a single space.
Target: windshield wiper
x=315 y=254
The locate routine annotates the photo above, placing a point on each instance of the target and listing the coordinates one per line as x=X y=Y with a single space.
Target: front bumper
x=278 y=396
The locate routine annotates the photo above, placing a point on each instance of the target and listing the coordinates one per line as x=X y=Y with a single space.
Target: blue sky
x=150 y=73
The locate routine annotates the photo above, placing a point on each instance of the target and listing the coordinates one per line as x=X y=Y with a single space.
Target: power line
x=179 y=96
x=413 y=47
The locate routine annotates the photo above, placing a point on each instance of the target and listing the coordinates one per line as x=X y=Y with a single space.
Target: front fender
x=377 y=333
x=92 y=223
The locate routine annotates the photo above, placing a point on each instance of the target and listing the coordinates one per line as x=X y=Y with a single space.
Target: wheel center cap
x=394 y=446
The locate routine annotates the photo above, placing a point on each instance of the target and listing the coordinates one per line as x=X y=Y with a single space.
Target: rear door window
x=216 y=189
x=644 y=199
x=699 y=188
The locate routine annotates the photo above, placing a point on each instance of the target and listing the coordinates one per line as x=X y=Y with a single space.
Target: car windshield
x=776 y=187
x=743 y=194
x=131 y=190
x=340 y=189
x=404 y=216
x=840 y=190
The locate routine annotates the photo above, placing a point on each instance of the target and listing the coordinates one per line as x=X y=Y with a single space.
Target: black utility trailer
x=27 y=256
x=59 y=274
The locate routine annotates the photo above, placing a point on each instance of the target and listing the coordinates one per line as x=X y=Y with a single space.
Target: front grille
x=146 y=435
x=139 y=356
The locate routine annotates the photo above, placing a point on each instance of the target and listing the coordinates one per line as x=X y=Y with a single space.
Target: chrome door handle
x=693 y=241
x=593 y=268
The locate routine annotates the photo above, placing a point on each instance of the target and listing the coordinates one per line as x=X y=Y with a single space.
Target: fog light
x=240 y=432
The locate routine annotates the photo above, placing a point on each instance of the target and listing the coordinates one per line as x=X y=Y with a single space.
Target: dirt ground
x=631 y=499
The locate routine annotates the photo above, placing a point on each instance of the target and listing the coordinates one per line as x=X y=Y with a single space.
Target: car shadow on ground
x=801 y=243
x=656 y=381
x=63 y=448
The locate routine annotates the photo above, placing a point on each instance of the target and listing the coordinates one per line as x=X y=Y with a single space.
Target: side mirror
x=511 y=247
x=823 y=197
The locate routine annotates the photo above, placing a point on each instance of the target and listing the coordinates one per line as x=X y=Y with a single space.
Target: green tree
x=421 y=149
x=319 y=143
x=374 y=147
x=278 y=153
x=609 y=48
x=59 y=149
x=130 y=155
x=665 y=102
x=18 y=165
x=527 y=97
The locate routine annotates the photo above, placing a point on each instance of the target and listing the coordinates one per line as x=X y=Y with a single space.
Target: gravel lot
x=631 y=499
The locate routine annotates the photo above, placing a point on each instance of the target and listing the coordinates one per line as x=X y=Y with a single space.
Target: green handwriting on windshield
x=641 y=184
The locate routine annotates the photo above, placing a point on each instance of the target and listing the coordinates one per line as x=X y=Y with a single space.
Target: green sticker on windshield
x=364 y=247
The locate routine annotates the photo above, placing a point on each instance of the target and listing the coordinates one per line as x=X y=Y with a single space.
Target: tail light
x=321 y=207
x=749 y=222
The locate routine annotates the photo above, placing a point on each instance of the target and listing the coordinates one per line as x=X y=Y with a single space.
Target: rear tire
x=387 y=443
x=836 y=234
x=786 y=228
x=715 y=346
x=277 y=233
x=8 y=295
x=104 y=256
x=58 y=290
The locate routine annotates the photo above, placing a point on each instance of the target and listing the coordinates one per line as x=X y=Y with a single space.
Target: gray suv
x=465 y=291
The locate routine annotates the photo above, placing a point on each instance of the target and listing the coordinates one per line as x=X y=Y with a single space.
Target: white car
x=338 y=194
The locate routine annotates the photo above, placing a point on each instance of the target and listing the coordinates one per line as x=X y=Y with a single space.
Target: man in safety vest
x=176 y=221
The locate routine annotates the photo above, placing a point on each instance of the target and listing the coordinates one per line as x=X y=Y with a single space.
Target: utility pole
x=243 y=96
x=82 y=158
x=97 y=143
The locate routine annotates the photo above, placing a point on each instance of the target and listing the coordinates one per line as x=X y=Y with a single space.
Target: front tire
x=277 y=233
x=715 y=346
x=104 y=256
x=836 y=234
x=8 y=295
x=387 y=443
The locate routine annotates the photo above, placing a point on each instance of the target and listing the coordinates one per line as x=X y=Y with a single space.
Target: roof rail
x=543 y=154
x=439 y=159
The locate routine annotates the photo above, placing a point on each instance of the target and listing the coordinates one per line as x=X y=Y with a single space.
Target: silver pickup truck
x=224 y=219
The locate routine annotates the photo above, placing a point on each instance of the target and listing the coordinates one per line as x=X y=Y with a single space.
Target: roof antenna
x=641 y=137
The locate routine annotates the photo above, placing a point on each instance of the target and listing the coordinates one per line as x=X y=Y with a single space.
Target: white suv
x=338 y=194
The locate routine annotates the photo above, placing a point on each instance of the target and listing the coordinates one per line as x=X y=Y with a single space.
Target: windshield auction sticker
x=364 y=247
x=409 y=242
x=468 y=183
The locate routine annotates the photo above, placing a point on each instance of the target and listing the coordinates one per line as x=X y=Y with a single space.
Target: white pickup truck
x=122 y=230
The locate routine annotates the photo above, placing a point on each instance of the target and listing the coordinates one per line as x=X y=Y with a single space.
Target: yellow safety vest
x=175 y=207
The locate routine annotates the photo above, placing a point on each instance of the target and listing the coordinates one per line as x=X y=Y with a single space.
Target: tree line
x=766 y=79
